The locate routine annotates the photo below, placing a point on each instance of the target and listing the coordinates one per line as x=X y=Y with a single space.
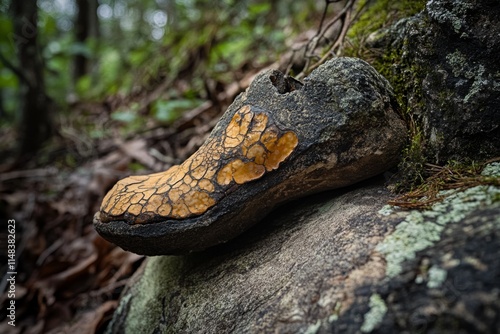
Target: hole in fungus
x=284 y=83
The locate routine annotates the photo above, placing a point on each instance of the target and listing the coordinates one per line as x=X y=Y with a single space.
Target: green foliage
x=125 y=116
x=136 y=167
x=129 y=117
x=110 y=70
x=143 y=45
x=167 y=111
x=58 y=54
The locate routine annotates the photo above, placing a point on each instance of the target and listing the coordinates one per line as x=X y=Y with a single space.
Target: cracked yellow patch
x=249 y=147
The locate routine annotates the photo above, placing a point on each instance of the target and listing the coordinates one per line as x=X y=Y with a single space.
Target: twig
x=338 y=16
x=444 y=178
x=41 y=172
x=338 y=42
x=313 y=43
x=48 y=251
x=314 y=40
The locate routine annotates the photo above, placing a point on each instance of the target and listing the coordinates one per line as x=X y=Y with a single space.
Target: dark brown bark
x=35 y=122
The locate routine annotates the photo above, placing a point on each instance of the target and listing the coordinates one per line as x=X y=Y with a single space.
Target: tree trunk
x=94 y=19
x=82 y=32
x=35 y=122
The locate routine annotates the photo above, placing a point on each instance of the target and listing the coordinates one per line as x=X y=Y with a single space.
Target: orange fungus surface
x=249 y=147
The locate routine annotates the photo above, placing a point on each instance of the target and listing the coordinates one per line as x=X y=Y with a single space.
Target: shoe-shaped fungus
x=278 y=141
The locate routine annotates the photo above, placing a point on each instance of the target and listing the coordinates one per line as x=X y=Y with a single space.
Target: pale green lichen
x=458 y=63
x=336 y=311
x=386 y=210
x=314 y=328
x=124 y=303
x=148 y=290
x=453 y=15
x=374 y=317
x=437 y=276
x=492 y=169
x=479 y=83
x=410 y=236
x=422 y=229
x=461 y=67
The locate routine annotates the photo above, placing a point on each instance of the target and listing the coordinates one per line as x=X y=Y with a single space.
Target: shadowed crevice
x=284 y=83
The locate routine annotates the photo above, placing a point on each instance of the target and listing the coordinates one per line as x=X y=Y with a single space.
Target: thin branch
x=338 y=42
x=313 y=43
x=338 y=16
x=29 y=173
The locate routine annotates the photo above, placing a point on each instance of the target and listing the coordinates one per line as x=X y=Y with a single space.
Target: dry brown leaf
x=88 y=322
x=137 y=149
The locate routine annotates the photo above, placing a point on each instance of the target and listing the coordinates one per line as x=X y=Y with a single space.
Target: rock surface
x=337 y=262
x=299 y=266
x=446 y=63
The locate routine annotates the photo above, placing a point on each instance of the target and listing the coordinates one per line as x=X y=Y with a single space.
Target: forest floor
x=67 y=277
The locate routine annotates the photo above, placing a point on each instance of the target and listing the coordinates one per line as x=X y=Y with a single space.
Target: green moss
x=411 y=167
x=378 y=14
x=406 y=82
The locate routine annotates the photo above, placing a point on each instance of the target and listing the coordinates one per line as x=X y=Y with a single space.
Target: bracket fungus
x=271 y=145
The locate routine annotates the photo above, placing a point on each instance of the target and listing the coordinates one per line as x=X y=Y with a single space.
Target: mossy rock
x=443 y=65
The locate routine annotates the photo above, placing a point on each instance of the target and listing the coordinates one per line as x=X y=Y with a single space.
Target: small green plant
x=411 y=167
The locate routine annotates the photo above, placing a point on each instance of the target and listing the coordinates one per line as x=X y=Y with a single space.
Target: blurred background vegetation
x=91 y=69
